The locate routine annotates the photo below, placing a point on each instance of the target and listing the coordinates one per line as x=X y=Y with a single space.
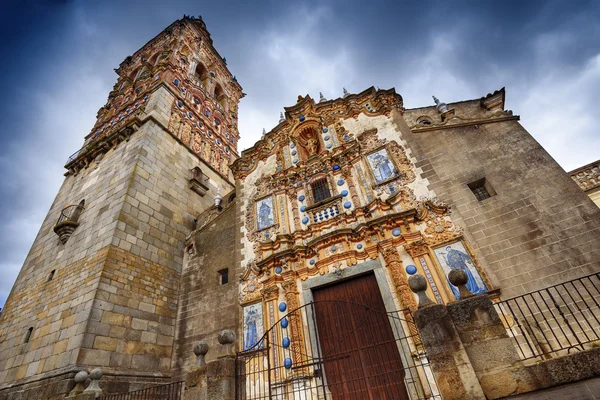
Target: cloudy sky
x=58 y=59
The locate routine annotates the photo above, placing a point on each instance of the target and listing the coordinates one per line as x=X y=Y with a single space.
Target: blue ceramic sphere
x=396 y=232
x=176 y=82
x=303 y=208
x=329 y=146
x=294 y=152
x=333 y=248
x=411 y=269
x=287 y=363
x=292 y=146
x=282 y=306
x=336 y=167
x=347 y=204
x=302 y=118
x=286 y=342
x=305 y=220
x=327 y=137
x=295 y=161
x=284 y=323
x=340 y=182
x=325 y=130
x=344 y=193
x=301 y=197
x=312 y=262
x=359 y=246
x=278 y=270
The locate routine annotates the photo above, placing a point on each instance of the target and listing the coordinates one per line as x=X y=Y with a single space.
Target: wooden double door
x=358 y=347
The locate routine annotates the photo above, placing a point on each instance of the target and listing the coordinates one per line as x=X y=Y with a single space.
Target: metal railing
x=360 y=352
x=70 y=213
x=554 y=321
x=170 y=391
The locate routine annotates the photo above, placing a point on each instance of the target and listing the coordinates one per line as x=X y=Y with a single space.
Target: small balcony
x=325 y=210
x=68 y=221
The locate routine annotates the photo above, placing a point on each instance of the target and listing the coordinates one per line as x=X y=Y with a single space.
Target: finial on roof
x=281 y=117
x=264 y=133
x=345 y=92
x=440 y=106
x=321 y=97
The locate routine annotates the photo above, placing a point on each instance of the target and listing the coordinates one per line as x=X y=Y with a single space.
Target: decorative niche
x=198 y=181
x=307 y=137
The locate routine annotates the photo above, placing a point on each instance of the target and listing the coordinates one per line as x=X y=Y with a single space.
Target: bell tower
x=100 y=285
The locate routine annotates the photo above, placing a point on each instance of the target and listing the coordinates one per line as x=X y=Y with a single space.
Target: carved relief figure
x=311 y=146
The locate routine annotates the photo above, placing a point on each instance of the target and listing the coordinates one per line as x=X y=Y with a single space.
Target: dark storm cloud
x=58 y=59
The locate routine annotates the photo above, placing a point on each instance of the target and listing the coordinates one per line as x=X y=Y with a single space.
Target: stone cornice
x=466 y=123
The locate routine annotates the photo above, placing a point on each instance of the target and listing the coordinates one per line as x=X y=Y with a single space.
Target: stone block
x=105 y=343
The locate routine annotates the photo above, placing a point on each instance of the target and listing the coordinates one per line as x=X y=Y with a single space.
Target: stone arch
x=220 y=95
x=201 y=73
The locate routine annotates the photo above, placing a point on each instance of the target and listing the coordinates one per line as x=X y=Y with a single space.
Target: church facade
x=163 y=235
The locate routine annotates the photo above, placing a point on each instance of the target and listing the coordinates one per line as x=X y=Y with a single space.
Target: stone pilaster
x=347 y=174
x=295 y=325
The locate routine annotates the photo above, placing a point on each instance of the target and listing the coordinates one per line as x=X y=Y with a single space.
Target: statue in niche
x=311 y=146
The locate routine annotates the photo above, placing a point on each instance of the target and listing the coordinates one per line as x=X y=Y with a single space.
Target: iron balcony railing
x=554 y=321
x=70 y=213
x=170 y=391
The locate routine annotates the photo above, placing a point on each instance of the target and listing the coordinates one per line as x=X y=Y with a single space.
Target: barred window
x=320 y=190
x=481 y=189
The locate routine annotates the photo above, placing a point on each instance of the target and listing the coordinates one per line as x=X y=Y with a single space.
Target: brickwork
x=539 y=229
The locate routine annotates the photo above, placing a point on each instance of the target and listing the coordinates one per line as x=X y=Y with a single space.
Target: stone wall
x=206 y=306
x=539 y=229
x=113 y=300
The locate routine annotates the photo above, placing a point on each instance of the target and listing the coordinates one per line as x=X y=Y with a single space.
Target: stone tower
x=100 y=285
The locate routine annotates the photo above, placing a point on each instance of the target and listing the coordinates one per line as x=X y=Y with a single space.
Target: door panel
x=359 y=351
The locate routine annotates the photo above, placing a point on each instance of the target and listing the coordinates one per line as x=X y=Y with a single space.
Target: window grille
x=320 y=190
x=481 y=189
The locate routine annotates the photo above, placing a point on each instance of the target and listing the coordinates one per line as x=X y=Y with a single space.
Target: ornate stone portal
x=330 y=187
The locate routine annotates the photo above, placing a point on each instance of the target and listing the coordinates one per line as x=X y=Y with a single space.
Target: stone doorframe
x=400 y=330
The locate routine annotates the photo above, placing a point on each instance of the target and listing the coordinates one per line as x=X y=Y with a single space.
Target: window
x=28 y=335
x=320 y=190
x=482 y=189
x=223 y=276
x=51 y=276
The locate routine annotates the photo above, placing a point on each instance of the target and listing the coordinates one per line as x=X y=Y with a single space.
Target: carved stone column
x=405 y=295
x=394 y=265
x=347 y=174
x=296 y=214
x=297 y=345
